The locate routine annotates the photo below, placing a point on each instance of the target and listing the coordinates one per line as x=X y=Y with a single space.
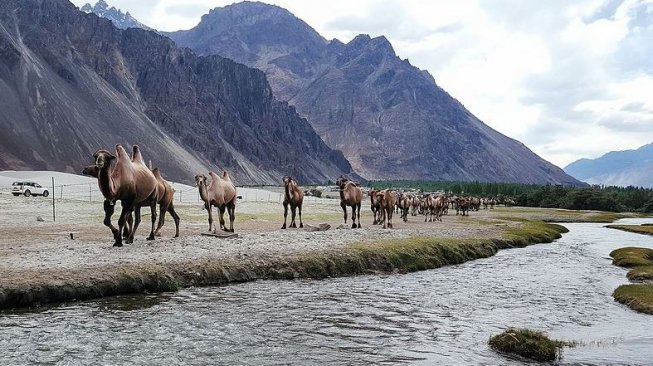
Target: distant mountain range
x=119 y=19
x=389 y=118
x=618 y=168
x=71 y=83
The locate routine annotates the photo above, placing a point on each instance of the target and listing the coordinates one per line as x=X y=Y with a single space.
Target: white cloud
x=569 y=79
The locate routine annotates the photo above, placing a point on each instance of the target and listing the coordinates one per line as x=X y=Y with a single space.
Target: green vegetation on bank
x=639 y=259
x=528 y=343
x=388 y=256
x=638 y=297
x=616 y=199
x=638 y=229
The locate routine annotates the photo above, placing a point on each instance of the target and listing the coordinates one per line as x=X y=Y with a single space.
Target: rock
x=39 y=219
x=320 y=227
x=343 y=226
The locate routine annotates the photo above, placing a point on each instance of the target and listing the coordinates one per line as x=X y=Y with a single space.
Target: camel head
x=91 y=171
x=342 y=181
x=286 y=180
x=103 y=159
x=200 y=180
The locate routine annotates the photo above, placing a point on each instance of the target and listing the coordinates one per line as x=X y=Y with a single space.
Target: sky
x=570 y=79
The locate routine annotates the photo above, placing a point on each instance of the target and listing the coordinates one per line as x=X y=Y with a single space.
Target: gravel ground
x=30 y=247
x=26 y=243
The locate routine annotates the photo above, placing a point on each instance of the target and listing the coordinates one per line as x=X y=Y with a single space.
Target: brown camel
x=109 y=204
x=165 y=192
x=294 y=197
x=129 y=181
x=220 y=193
x=166 y=196
x=375 y=206
x=403 y=202
x=350 y=195
x=388 y=200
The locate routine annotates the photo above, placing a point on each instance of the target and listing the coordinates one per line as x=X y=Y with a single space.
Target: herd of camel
x=137 y=185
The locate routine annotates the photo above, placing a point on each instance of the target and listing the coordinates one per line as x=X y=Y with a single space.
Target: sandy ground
x=31 y=247
x=28 y=244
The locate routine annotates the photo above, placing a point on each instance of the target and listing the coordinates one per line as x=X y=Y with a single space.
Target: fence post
x=54 y=213
x=61 y=192
x=90 y=197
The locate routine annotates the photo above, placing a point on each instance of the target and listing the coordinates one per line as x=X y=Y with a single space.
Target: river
x=441 y=316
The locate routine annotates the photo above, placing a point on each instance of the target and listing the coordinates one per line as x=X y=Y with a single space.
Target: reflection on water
x=442 y=316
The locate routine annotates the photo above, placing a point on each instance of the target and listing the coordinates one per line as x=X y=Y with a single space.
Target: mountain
x=617 y=168
x=72 y=82
x=389 y=118
x=119 y=19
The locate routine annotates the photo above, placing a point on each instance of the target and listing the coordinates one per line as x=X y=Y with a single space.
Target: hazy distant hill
x=389 y=118
x=620 y=168
x=71 y=82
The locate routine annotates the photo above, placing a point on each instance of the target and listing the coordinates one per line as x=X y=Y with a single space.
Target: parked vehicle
x=28 y=189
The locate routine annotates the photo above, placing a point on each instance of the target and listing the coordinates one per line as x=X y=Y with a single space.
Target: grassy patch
x=638 y=229
x=528 y=343
x=534 y=232
x=638 y=297
x=632 y=257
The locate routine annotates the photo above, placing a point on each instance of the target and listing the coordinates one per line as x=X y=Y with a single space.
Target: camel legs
x=137 y=221
x=231 y=210
x=353 y=217
x=301 y=224
x=127 y=207
x=173 y=213
x=344 y=210
x=221 y=210
x=209 y=208
x=359 y=215
x=153 y=211
x=109 y=208
x=285 y=214
x=293 y=210
x=162 y=219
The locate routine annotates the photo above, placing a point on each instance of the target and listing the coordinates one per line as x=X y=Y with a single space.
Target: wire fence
x=183 y=194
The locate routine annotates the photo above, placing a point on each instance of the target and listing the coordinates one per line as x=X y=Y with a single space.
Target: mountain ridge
x=621 y=168
x=72 y=82
x=390 y=119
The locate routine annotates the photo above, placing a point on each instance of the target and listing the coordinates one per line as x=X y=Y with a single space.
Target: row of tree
x=601 y=198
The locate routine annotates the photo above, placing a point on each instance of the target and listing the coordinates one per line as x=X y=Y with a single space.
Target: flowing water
x=441 y=316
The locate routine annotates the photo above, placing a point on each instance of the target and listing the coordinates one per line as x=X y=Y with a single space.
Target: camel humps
x=220 y=193
x=388 y=200
x=350 y=195
x=293 y=197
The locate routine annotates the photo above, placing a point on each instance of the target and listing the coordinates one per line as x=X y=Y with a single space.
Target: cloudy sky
x=570 y=79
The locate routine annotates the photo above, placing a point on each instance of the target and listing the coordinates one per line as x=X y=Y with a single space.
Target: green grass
x=528 y=343
x=638 y=297
x=638 y=229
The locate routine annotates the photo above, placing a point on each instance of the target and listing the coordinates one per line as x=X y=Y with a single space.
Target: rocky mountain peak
x=117 y=17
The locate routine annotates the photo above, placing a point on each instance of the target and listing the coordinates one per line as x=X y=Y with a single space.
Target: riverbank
x=637 y=296
x=646 y=229
x=39 y=263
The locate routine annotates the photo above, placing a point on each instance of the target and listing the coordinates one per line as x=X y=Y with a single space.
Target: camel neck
x=204 y=193
x=105 y=183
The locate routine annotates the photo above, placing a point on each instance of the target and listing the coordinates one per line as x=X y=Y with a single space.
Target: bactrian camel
x=293 y=197
x=130 y=182
x=221 y=193
x=375 y=206
x=350 y=195
x=165 y=198
x=388 y=200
